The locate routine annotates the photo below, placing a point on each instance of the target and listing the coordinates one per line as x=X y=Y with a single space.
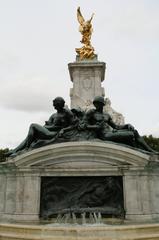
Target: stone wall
x=20 y=177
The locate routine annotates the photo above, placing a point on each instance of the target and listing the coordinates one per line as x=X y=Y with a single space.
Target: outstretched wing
x=80 y=17
x=91 y=18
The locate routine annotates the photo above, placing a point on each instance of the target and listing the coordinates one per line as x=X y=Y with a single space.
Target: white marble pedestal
x=86 y=77
x=20 y=177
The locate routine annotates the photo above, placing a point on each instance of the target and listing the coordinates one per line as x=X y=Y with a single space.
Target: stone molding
x=97 y=154
x=20 y=177
x=100 y=66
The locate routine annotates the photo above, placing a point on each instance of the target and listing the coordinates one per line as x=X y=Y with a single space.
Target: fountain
x=80 y=182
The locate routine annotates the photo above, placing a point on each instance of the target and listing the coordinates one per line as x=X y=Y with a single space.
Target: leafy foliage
x=2 y=154
x=153 y=142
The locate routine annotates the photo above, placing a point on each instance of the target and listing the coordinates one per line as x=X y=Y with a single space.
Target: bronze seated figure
x=77 y=125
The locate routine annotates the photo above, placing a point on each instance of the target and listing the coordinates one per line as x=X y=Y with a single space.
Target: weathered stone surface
x=2 y=192
x=84 y=154
x=142 y=188
x=10 y=199
x=86 y=77
x=21 y=201
x=118 y=118
x=31 y=197
x=93 y=232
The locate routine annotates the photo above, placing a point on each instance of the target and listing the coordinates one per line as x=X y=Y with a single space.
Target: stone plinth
x=21 y=177
x=86 y=77
x=93 y=232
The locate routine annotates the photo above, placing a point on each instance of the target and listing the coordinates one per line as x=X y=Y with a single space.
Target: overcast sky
x=38 y=39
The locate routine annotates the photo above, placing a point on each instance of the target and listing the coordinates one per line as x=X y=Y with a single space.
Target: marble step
x=42 y=232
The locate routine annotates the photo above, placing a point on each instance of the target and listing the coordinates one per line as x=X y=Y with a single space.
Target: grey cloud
x=27 y=94
x=8 y=59
x=33 y=64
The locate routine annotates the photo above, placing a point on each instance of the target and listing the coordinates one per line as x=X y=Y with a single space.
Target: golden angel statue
x=85 y=28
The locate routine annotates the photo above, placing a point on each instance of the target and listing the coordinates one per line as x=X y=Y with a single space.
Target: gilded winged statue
x=85 y=28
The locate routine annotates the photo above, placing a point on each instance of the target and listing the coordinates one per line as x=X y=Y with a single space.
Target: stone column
x=10 y=199
x=86 y=77
x=28 y=196
x=141 y=193
x=20 y=196
x=3 y=182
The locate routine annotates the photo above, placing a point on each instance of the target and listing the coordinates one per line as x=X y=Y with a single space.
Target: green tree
x=2 y=154
x=153 y=142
